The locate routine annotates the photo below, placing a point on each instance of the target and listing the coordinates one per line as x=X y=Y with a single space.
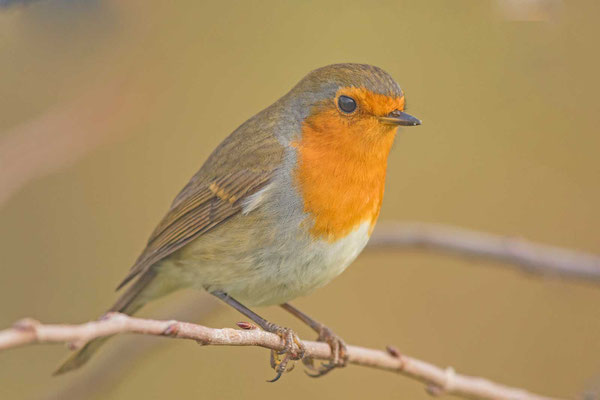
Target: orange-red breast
x=281 y=207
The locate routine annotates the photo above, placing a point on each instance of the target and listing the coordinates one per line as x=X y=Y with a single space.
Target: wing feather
x=209 y=206
x=240 y=166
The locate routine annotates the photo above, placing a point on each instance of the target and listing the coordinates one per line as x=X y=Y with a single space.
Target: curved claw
x=279 y=373
x=293 y=350
x=338 y=359
x=324 y=369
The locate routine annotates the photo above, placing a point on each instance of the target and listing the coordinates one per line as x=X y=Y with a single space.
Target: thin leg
x=263 y=323
x=339 y=355
x=315 y=325
x=289 y=336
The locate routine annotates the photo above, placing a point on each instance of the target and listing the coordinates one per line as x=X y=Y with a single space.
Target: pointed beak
x=400 y=118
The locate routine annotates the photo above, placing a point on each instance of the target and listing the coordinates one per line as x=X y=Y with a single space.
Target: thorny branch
x=439 y=381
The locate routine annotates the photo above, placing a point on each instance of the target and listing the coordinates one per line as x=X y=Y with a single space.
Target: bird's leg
x=339 y=356
x=294 y=349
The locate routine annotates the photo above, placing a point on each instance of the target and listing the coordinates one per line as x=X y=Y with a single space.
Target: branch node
x=27 y=325
x=109 y=315
x=446 y=387
x=246 y=325
x=172 y=329
x=393 y=351
x=76 y=345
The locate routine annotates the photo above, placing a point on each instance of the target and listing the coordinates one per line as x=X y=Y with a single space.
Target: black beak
x=400 y=118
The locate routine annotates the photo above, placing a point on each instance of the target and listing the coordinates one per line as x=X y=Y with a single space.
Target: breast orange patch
x=342 y=162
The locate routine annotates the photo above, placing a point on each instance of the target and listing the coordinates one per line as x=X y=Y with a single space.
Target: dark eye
x=347 y=104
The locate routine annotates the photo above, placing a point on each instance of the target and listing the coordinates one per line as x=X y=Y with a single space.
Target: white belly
x=283 y=270
x=293 y=275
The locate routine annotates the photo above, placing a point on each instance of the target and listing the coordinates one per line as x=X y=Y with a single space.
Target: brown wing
x=202 y=209
x=240 y=166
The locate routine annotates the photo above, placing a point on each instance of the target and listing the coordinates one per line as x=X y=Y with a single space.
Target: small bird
x=282 y=206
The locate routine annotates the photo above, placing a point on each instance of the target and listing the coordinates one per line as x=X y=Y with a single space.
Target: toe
x=293 y=350
x=337 y=345
x=338 y=357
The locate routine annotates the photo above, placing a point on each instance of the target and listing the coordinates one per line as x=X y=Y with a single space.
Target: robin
x=282 y=206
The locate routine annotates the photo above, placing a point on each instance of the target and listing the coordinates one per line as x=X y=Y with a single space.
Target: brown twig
x=530 y=257
x=438 y=380
x=118 y=359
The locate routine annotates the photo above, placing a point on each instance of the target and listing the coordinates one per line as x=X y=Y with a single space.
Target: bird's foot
x=293 y=350
x=339 y=355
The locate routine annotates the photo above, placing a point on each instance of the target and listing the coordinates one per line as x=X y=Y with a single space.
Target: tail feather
x=130 y=302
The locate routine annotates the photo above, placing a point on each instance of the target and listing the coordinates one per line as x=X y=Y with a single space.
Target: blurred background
x=107 y=108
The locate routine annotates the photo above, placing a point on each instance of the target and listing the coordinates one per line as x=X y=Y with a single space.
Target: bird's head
x=355 y=103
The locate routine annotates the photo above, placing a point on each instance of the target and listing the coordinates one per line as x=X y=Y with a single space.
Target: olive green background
x=509 y=144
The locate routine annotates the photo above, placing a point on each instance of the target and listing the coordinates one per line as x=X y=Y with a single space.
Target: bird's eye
x=346 y=104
